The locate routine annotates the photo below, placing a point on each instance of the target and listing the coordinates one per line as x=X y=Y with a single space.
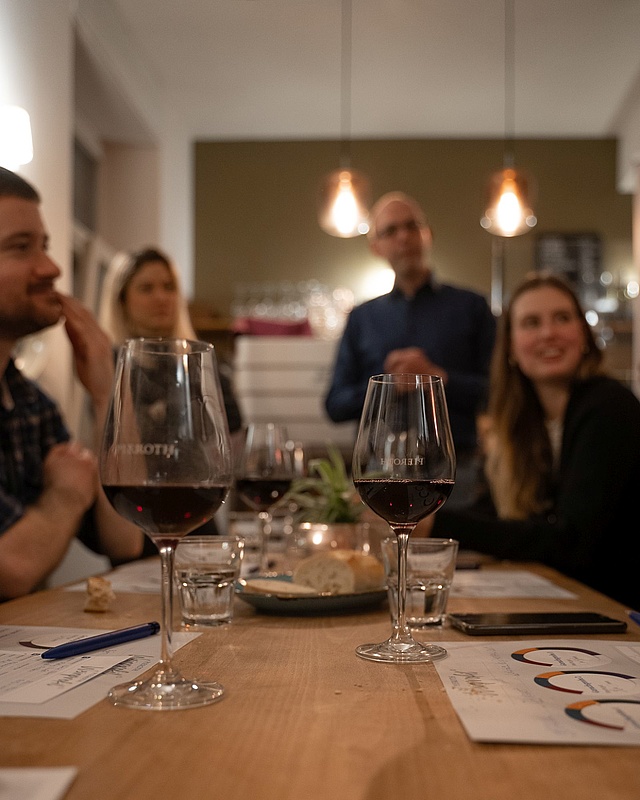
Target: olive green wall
x=255 y=208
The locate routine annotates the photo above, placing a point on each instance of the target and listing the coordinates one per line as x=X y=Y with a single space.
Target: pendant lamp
x=509 y=191
x=344 y=193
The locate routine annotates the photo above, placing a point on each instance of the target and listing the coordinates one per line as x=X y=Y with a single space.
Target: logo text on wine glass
x=148 y=449
x=393 y=461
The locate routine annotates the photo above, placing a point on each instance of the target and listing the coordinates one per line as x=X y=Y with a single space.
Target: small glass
x=206 y=571
x=431 y=564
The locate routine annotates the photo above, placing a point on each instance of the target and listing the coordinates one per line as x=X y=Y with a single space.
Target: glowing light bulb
x=344 y=212
x=509 y=210
x=343 y=204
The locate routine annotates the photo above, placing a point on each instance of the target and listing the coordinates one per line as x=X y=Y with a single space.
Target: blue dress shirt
x=453 y=326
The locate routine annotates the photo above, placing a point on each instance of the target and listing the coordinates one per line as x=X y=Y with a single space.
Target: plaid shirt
x=30 y=424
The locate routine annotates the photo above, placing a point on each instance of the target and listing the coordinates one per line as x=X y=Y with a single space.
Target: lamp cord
x=509 y=82
x=345 y=84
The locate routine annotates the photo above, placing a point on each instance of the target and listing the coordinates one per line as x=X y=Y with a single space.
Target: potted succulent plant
x=326 y=494
x=327 y=511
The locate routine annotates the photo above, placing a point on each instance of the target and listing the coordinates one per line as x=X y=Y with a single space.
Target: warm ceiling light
x=343 y=204
x=510 y=192
x=508 y=211
x=344 y=194
x=16 y=144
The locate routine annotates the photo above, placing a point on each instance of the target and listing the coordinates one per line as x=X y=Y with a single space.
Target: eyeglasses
x=410 y=226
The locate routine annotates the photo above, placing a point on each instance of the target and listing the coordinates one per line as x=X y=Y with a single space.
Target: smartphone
x=536 y=623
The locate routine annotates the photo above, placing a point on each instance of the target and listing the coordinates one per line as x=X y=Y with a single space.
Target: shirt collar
x=14 y=386
x=430 y=286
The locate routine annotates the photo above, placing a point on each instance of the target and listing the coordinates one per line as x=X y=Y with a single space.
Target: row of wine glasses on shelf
x=166 y=465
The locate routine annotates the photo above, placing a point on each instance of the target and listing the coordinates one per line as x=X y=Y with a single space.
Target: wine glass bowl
x=264 y=475
x=403 y=469
x=165 y=465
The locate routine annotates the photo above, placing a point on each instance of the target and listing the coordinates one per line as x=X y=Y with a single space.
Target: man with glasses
x=421 y=326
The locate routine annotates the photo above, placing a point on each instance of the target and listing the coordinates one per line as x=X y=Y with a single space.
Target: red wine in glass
x=403 y=502
x=264 y=475
x=262 y=493
x=166 y=512
x=404 y=469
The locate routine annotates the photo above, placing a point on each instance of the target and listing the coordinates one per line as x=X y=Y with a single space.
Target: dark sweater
x=590 y=531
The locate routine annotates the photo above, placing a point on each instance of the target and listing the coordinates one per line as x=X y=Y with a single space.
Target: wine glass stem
x=401 y=631
x=167 y=553
x=265 y=533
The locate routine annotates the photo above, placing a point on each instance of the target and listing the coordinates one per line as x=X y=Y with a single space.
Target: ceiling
x=244 y=69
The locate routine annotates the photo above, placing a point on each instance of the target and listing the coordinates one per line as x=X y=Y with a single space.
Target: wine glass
x=264 y=475
x=404 y=469
x=165 y=465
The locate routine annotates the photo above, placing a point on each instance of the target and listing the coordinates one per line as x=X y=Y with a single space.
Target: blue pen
x=635 y=616
x=102 y=640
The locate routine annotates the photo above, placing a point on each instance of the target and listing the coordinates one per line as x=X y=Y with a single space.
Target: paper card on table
x=505 y=583
x=35 y=783
x=581 y=692
x=141 y=577
x=28 y=678
x=132 y=659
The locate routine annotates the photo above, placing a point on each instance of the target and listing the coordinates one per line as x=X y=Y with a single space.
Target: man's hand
x=70 y=476
x=92 y=350
x=412 y=361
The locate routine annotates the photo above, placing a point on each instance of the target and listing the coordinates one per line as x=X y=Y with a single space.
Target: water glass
x=431 y=564
x=206 y=571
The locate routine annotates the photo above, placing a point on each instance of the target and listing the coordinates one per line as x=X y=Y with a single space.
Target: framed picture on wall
x=575 y=256
x=91 y=262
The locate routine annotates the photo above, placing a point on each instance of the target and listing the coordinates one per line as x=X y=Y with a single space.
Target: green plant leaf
x=326 y=494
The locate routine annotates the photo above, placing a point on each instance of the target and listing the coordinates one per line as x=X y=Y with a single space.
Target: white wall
x=35 y=73
x=129 y=219
x=635 y=357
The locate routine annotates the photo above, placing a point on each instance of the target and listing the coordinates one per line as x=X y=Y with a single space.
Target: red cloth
x=254 y=326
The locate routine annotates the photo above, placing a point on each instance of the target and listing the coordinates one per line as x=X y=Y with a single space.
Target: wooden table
x=304 y=719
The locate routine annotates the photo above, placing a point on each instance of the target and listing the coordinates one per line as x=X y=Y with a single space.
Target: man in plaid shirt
x=49 y=488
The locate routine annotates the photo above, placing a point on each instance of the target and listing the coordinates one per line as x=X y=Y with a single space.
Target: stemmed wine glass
x=404 y=469
x=165 y=465
x=264 y=475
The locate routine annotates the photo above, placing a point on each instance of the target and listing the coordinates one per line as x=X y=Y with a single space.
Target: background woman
x=563 y=450
x=141 y=297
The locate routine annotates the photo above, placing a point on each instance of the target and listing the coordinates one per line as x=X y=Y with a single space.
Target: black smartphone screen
x=536 y=623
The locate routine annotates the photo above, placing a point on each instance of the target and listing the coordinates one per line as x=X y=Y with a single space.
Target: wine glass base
x=153 y=695
x=392 y=652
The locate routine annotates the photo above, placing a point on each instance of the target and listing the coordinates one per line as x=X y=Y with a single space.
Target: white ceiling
x=243 y=69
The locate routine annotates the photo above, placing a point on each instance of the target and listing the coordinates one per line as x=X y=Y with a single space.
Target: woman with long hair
x=141 y=296
x=562 y=448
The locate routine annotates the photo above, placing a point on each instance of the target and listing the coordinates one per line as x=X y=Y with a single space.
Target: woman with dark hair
x=562 y=449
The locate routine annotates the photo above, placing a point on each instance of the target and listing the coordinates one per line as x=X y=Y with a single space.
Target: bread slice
x=340 y=572
x=277 y=587
x=99 y=594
